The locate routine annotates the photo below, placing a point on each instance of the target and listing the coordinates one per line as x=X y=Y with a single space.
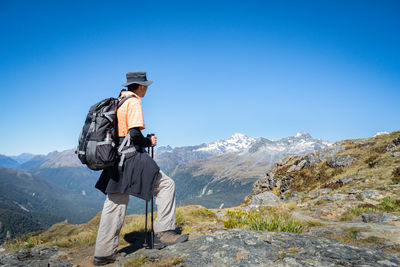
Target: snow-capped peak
x=302 y=134
x=237 y=142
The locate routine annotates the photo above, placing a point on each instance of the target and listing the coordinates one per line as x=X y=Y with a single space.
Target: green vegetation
x=84 y=235
x=352 y=236
x=387 y=204
x=195 y=217
x=61 y=235
x=373 y=162
x=263 y=220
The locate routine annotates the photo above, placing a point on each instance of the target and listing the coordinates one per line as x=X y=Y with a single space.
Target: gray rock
x=395 y=154
x=311 y=159
x=252 y=248
x=321 y=192
x=293 y=199
x=301 y=165
x=351 y=197
x=292 y=168
x=369 y=193
x=38 y=256
x=340 y=161
x=389 y=147
x=285 y=184
x=339 y=196
x=353 y=191
x=385 y=218
x=330 y=151
x=298 y=167
x=338 y=182
x=266 y=198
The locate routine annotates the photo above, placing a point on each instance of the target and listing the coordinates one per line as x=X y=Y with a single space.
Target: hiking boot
x=100 y=261
x=169 y=238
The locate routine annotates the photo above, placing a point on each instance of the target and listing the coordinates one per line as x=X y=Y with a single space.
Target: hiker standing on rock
x=139 y=176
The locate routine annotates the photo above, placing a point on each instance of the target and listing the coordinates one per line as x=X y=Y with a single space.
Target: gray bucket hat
x=138 y=77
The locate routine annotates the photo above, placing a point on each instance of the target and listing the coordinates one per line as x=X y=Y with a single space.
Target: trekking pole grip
x=152 y=147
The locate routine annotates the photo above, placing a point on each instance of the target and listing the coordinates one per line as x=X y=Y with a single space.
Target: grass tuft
x=263 y=220
x=387 y=204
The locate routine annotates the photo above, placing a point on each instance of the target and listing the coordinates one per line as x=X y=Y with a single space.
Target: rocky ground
x=36 y=257
x=253 y=248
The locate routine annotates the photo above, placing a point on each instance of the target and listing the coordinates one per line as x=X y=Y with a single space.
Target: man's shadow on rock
x=137 y=240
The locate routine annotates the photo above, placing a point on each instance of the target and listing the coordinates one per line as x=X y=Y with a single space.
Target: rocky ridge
x=252 y=248
x=351 y=187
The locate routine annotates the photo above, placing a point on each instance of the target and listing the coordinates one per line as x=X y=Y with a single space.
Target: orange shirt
x=130 y=114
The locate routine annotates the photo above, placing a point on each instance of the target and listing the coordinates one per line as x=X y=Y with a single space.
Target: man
x=139 y=174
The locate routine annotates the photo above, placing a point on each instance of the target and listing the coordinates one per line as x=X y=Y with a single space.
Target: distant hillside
x=8 y=162
x=36 y=161
x=22 y=158
x=203 y=173
x=29 y=200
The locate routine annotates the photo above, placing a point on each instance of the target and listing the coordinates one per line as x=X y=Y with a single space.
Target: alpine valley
x=39 y=190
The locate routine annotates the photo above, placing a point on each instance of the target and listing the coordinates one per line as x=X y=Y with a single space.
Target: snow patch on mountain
x=237 y=142
x=303 y=135
x=302 y=142
x=380 y=133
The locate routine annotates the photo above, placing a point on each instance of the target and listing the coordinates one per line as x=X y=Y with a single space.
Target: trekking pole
x=145 y=218
x=152 y=213
x=145 y=228
x=145 y=244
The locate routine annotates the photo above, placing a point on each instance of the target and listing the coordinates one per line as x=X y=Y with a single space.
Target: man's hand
x=153 y=140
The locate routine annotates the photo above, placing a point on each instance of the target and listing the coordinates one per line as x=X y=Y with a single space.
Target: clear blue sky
x=262 y=68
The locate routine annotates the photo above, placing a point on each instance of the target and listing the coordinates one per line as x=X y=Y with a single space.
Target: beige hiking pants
x=113 y=215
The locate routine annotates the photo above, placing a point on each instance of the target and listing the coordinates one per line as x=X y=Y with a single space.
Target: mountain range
x=220 y=172
x=205 y=173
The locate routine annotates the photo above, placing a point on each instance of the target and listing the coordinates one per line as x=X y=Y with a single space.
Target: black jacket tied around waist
x=136 y=178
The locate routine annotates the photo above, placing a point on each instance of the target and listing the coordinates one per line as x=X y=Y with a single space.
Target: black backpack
x=98 y=140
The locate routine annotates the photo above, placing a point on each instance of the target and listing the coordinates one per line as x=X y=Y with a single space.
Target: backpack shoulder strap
x=122 y=101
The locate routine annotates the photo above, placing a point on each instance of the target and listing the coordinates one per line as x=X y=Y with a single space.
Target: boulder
x=266 y=198
x=311 y=159
x=321 y=192
x=340 y=161
x=330 y=151
x=353 y=191
x=369 y=193
x=395 y=154
x=384 y=218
